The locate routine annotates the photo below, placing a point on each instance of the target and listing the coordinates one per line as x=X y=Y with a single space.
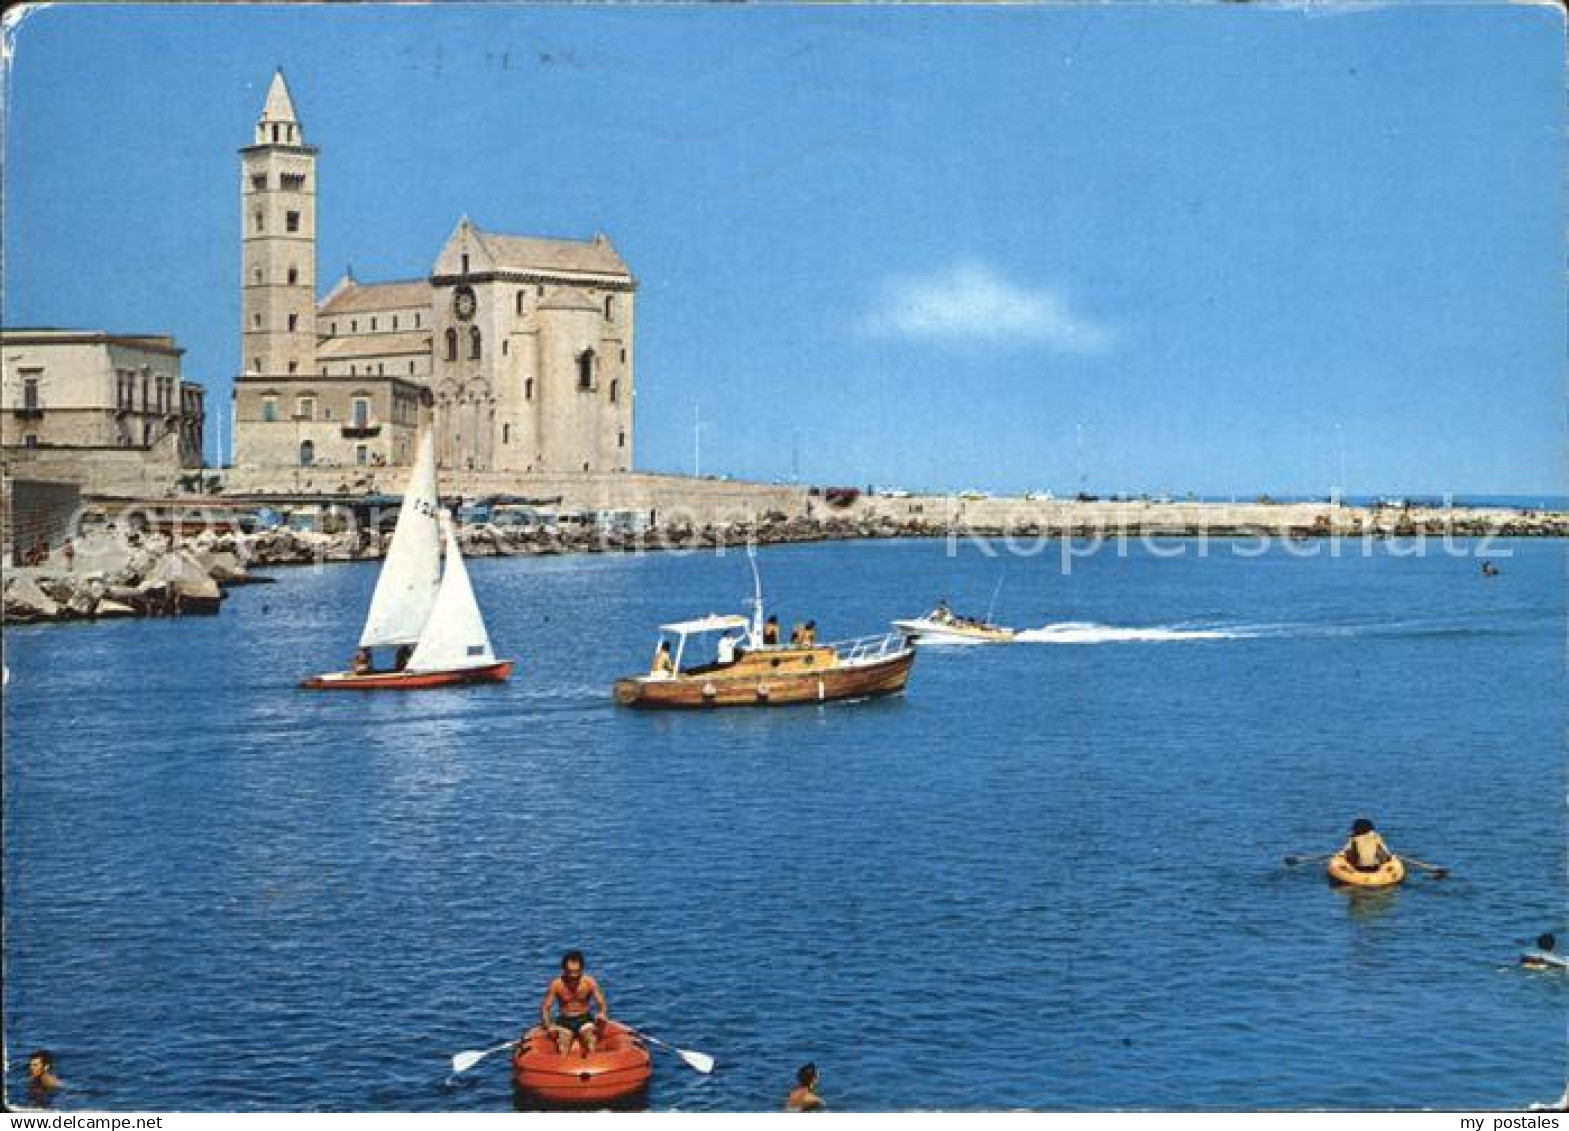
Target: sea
x=1050 y=875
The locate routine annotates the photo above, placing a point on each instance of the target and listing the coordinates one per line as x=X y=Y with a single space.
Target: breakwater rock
x=102 y=577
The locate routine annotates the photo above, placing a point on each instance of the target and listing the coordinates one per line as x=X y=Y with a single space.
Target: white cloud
x=971 y=302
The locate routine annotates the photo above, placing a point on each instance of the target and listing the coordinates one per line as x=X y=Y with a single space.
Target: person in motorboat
x=663 y=664
x=804 y=1097
x=797 y=634
x=361 y=664
x=942 y=614
x=574 y=991
x=771 y=633
x=1365 y=850
x=725 y=650
x=809 y=634
x=1545 y=956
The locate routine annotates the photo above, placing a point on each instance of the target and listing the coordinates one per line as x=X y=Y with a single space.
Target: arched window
x=610 y=308
x=528 y=389
x=520 y=301
x=506 y=433
x=452 y=344
x=307 y=453
x=585 y=369
x=474 y=342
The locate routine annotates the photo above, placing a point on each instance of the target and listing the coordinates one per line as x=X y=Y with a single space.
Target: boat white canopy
x=711 y=623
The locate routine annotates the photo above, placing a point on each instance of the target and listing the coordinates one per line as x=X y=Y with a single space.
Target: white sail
x=454 y=636
x=406 y=589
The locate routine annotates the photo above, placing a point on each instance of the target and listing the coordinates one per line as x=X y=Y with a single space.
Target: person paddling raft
x=575 y=991
x=1365 y=850
x=1545 y=956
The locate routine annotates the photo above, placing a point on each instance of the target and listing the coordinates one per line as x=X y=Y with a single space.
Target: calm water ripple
x=1049 y=876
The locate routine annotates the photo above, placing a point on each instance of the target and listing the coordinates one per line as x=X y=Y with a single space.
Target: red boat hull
x=407 y=681
x=617 y=1069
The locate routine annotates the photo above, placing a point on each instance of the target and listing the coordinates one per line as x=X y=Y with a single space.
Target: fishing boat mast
x=755 y=637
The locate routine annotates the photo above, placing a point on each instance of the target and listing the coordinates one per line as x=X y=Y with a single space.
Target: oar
x=1436 y=872
x=699 y=1061
x=463 y=1061
x=1293 y=861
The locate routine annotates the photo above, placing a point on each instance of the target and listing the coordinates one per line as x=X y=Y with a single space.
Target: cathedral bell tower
x=278 y=244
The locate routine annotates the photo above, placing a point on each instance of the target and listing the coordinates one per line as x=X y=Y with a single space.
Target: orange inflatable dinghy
x=617 y=1070
x=1390 y=873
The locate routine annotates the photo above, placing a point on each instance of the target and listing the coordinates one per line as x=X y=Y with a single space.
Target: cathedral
x=516 y=350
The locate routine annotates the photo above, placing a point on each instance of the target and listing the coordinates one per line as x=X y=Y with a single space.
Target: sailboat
x=426 y=612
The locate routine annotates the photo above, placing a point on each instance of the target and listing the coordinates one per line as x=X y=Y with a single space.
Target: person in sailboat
x=361 y=664
x=663 y=664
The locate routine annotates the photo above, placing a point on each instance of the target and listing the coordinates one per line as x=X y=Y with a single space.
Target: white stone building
x=95 y=408
x=517 y=349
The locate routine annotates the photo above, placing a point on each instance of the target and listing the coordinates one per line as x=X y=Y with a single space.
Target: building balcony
x=361 y=431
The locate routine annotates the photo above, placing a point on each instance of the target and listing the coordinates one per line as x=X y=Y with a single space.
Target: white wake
x=1087 y=632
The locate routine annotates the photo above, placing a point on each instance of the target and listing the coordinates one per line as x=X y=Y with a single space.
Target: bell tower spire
x=279 y=125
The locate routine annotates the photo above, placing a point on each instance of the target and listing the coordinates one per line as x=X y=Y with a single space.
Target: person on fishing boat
x=663 y=664
x=1365 y=850
x=574 y=991
x=804 y=1097
x=797 y=634
x=771 y=633
x=809 y=634
x=1545 y=956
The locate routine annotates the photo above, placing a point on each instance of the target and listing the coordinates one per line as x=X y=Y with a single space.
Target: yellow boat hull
x=1342 y=872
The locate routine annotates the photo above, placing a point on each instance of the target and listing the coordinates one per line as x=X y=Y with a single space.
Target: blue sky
x=1190 y=247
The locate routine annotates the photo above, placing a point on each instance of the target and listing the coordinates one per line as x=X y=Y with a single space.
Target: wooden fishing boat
x=617 y=1070
x=422 y=607
x=745 y=672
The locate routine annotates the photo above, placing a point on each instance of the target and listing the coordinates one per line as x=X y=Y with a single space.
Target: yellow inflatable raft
x=1391 y=873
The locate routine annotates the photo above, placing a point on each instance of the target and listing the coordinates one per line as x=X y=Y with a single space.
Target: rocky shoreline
x=107 y=575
